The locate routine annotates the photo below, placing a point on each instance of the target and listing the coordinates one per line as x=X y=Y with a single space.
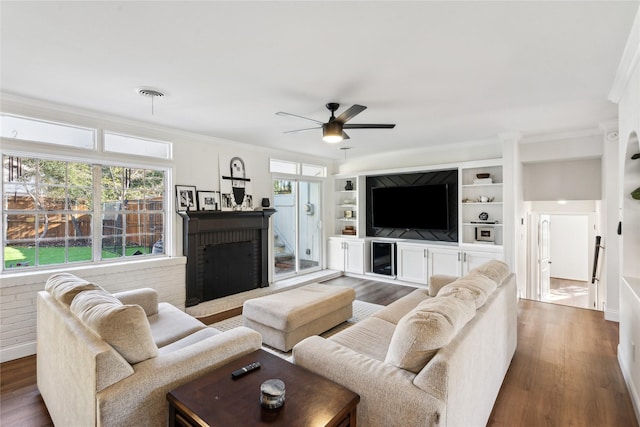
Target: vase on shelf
x=348 y=186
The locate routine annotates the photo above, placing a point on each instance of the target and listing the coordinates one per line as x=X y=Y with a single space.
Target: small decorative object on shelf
x=348 y=186
x=483 y=216
x=348 y=214
x=483 y=178
x=485 y=235
x=349 y=230
x=485 y=199
x=265 y=202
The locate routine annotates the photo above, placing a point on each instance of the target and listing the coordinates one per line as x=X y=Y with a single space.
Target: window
x=125 y=144
x=314 y=170
x=28 y=129
x=132 y=205
x=293 y=168
x=283 y=166
x=54 y=214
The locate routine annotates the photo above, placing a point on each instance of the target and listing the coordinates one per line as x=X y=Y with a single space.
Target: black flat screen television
x=424 y=207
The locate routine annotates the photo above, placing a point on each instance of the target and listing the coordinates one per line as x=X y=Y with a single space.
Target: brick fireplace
x=227 y=253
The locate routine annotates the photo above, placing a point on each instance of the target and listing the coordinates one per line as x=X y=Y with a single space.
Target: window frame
x=48 y=151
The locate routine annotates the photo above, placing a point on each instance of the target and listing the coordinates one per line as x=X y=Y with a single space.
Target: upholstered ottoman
x=286 y=318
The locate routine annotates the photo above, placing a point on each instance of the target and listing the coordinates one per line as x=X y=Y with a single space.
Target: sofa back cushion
x=494 y=270
x=124 y=327
x=65 y=286
x=478 y=285
x=427 y=328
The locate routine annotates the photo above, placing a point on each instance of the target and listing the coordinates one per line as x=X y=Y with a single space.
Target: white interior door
x=544 y=259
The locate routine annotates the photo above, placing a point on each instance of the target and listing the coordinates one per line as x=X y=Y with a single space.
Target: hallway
x=572 y=293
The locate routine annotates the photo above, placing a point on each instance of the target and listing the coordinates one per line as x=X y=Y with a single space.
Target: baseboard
x=17 y=352
x=633 y=394
x=612 y=315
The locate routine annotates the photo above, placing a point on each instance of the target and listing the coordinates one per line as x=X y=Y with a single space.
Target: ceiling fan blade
x=302 y=130
x=282 y=113
x=368 y=126
x=344 y=135
x=350 y=113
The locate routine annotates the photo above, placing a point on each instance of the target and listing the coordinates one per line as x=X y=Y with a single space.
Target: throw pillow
x=463 y=293
x=65 y=286
x=425 y=329
x=495 y=270
x=481 y=286
x=478 y=281
x=124 y=327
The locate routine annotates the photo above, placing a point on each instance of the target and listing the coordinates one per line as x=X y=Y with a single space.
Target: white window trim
x=12 y=147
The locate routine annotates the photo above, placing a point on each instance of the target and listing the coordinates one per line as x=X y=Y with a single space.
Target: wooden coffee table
x=217 y=400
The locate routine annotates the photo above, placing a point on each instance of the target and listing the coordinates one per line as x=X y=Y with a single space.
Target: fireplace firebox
x=227 y=253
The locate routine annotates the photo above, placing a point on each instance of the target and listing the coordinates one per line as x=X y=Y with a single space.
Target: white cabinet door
x=346 y=255
x=412 y=263
x=354 y=256
x=445 y=261
x=473 y=259
x=335 y=258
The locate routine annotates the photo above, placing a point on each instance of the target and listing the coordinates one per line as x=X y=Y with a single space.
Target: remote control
x=245 y=370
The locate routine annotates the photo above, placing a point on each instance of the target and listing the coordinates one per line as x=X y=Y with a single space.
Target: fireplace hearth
x=227 y=253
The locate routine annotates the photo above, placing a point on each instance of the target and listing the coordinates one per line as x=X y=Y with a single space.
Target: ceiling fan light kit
x=333 y=130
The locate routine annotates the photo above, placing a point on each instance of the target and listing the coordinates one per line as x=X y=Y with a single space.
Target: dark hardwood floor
x=564 y=373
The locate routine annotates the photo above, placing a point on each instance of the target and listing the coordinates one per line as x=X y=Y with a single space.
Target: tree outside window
x=49 y=208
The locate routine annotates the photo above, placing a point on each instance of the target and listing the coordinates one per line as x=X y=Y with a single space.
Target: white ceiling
x=444 y=72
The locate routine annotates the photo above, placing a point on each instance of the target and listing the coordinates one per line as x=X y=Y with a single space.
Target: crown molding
x=560 y=135
x=629 y=60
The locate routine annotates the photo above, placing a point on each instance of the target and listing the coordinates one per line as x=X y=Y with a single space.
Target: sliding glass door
x=296 y=227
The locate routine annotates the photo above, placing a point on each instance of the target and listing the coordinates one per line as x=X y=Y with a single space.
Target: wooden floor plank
x=565 y=371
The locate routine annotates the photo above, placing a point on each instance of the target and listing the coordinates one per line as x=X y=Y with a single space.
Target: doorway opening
x=297 y=243
x=561 y=253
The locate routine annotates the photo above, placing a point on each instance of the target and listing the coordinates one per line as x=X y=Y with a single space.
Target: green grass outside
x=55 y=255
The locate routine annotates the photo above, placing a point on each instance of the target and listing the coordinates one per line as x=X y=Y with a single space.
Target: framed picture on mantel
x=208 y=200
x=185 y=198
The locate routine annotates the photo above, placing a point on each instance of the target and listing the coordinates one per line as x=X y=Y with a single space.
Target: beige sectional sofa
x=426 y=361
x=109 y=359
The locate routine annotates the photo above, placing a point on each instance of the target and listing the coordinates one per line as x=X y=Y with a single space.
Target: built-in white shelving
x=346 y=197
x=481 y=204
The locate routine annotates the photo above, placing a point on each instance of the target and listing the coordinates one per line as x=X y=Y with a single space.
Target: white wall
x=195 y=163
x=563 y=180
x=626 y=92
x=570 y=247
x=449 y=153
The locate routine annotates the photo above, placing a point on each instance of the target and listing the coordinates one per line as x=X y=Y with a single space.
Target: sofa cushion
x=124 y=327
x=370 y=337
x=437 y=281
x=494 y=270
x=476 y=297
x=147 y=298
x=479 y=285
x=189 y=340
x=478 y=281
x=65 y=286
x=397 y=309
x=171 y=324
x=427 y=328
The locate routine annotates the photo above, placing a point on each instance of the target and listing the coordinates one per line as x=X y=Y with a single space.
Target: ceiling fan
x=333 y=130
